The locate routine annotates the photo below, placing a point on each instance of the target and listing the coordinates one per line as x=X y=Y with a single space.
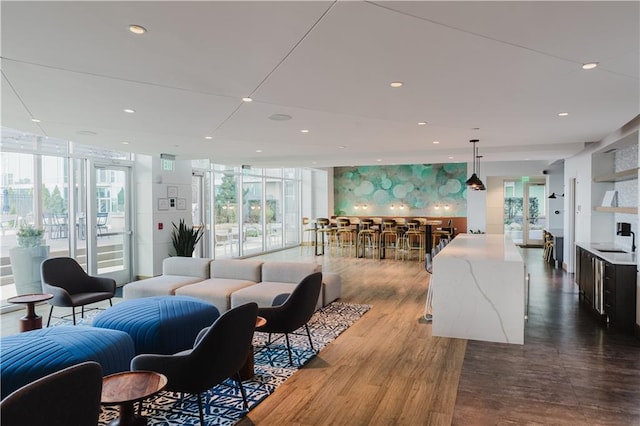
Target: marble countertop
x=625 y=258
x=482 y=247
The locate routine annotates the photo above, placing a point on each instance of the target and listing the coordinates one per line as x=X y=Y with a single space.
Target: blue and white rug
x=223 y=404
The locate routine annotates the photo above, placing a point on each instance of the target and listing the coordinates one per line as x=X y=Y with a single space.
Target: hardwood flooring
x=570 y=371
x=387 y=369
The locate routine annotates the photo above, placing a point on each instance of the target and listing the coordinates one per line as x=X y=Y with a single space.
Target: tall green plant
x=185 y=238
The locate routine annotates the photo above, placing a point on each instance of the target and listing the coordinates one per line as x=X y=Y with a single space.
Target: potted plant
x=185 y=238
x=29 y=236
x=26 y=259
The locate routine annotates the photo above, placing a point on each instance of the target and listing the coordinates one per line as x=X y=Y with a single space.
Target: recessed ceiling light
x=35 y=120
x=247 y=99
x=86 y=132
x=304 y=131
x=379 y=160
x=436 y=142
x=450 y=158
x=129 y=110
x=258 y=150
x=563 y=114
x=208 y=137
x=137 y=29
x=422 y=123
x=342 y=147
x=280 y=117
x=396 y=84
x=589 y=65
x=125 y=143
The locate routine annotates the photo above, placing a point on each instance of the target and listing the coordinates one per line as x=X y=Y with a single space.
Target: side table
x=125 y=388
x=246 y=372
x=30 y=321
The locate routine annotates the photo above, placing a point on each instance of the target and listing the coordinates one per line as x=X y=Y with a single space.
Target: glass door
x=109 y=224
x=535 y=213
x=524 y=221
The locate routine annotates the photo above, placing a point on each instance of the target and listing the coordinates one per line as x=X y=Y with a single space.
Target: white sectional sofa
x=176 y=272
x=229 y=283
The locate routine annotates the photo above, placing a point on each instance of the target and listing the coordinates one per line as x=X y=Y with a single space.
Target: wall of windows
x=255 y=210
x=43 y=182
x=81 y=197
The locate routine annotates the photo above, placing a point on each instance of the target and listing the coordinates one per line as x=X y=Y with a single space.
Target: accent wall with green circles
x=403 y=190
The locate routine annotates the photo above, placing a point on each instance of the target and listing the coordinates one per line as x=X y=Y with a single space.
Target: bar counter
x=479 y=289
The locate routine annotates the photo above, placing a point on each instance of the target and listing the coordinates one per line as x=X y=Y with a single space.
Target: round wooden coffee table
x=125 y=388
x=30 y=321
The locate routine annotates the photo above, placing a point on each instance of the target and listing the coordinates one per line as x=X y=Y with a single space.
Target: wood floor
x=387 y=368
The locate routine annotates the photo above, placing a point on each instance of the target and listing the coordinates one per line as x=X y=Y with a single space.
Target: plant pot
x=25 y=264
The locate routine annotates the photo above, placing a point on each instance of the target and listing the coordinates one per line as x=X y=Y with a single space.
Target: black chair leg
x=110 y=303
x=200 y=410
x=286 y=336
x=269 y=340
x=82 y=311
x=73 y=312
x=50 y=312
x=309 y=335
x=244 y=395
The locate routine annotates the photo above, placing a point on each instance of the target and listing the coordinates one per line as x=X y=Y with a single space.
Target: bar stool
x=368 y=238
x=308 y=233
x=547 y=253
x=389 y=237
x=442 y=233
x=344 y=236
x=325 y=231
x=428 y=308
x=414 y=239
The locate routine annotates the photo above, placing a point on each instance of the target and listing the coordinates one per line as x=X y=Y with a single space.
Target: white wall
x=153 y=245
x=555 y=206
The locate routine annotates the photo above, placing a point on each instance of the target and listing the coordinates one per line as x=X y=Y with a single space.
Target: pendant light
x=474 y=181
x=480 y=187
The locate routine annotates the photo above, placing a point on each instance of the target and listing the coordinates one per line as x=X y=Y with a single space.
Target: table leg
x=128 y=417
x=30 y=321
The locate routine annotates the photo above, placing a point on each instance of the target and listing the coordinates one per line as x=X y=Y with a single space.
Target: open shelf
x=619 y=176
x=628 y=210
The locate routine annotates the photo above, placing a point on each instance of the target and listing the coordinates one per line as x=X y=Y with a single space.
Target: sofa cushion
x=186 y=266
x=263 y=294
x=246 y=270
x=162 y=285
x=215 y=290
x=288 y=272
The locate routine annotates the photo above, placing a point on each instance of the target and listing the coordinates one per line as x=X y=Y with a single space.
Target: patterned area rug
x=223 y=404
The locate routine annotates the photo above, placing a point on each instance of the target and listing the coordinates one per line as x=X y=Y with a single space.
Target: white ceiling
x=507 y=68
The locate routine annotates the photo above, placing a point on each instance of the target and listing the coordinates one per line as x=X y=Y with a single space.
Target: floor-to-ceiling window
x=226 y=232
x=255 y=210
x=252 y=211
x=274 y=202
x=45 y=185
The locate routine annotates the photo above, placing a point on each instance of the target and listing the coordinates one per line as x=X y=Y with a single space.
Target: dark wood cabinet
x=608 y=289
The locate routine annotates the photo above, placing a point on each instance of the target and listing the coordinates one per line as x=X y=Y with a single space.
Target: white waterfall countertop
x=479 y=289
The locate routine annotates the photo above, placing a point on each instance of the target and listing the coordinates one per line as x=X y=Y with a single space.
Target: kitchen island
x=479 y=289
